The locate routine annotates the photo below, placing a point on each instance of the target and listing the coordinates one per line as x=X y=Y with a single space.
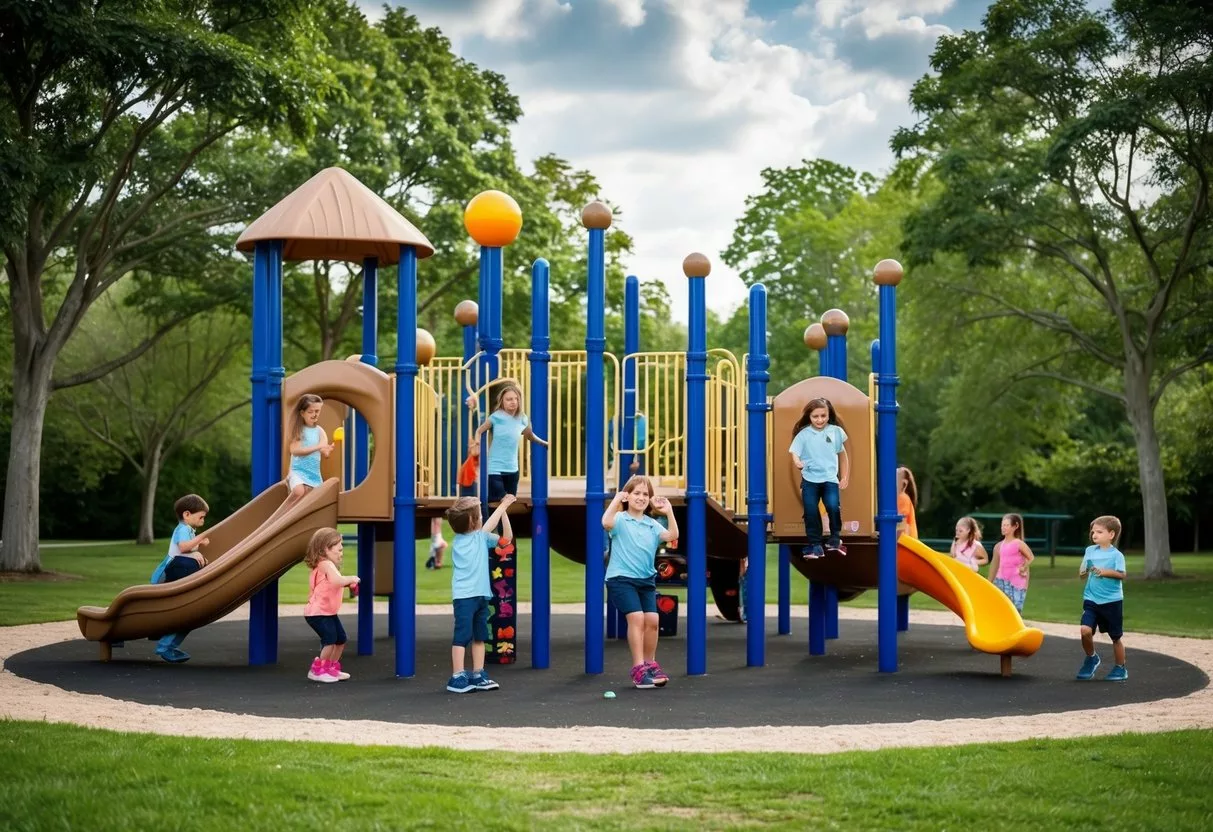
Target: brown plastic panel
x=332 y=416
x=369 y=391
x=247 y=550
x=854 y=408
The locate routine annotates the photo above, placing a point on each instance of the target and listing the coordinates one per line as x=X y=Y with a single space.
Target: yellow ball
x=338 y=434
x=493 y=218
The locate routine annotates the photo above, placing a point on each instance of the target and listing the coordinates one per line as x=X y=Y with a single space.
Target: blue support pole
x=595 y=429
x=836 y=345
x=888 y=274
x=617 y=625
x=260 y=373
x=785 y=589
x=818 y=593
x=404 y=550
x=541 y=558
x=263 y=607
x=756 y=497
x=696 y=268
x=484 y=290
x=466 y=416
x=362 y=461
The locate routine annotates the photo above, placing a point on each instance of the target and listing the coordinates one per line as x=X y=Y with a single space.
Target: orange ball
x=493 y=218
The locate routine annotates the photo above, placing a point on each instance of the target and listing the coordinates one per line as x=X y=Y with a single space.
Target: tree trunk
x=1149 y=468
x=147 y=497
x=31 y=392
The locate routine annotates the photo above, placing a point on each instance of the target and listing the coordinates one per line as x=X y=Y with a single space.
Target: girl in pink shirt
x=966 y=546
x=326 y=585
x=1011 y=561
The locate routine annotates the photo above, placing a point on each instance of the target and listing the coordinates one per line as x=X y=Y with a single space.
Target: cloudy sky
x=677 y=105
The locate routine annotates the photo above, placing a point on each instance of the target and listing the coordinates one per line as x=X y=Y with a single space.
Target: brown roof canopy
x=333 y=216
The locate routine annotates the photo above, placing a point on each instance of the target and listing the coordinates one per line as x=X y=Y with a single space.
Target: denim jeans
x=826 y=492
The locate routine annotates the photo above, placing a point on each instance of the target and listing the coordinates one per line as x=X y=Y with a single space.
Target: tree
x=1077 y=143
x=108 y=113
x=148 y=409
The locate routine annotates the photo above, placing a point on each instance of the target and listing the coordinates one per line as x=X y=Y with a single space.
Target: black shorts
x=1107 y=618
x=631 y=595
x=328 y=627
x=471 y=621
x=502 y=484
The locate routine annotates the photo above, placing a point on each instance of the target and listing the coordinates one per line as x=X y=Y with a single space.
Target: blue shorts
x=471 y=621
x=328 y=627
x=1107 y=618
x=631 y=595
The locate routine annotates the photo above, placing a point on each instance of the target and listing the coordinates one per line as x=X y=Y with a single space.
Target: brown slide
x=247 y=550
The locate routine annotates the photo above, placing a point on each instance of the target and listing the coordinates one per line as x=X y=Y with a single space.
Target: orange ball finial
x=815 y=337
x=493 y=219
x=427 y=347
x=467 y=313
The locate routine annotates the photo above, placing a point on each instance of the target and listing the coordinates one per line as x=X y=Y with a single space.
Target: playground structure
x=716 y=467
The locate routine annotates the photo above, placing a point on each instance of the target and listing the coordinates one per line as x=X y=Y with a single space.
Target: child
x=631 y=574
x=1103 y=599
x=470 y=590
x=326 y=585
x=508 y=424
x=819 y=450
x=907 y=502
x=1010 y=562
x=308 y=442
x=966 y=546
x=437 y=544
x=183 y=559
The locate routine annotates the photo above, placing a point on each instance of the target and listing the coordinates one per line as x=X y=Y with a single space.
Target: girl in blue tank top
x=308 y=442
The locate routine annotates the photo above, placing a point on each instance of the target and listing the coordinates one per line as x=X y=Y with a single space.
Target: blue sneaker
x=1087 y=671
x=460 y=683
x=812 y=552
x=173 y=655
x=481 y=681
x=1117 y=674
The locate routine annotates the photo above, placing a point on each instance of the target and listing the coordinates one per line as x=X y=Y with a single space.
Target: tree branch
x=464 y=274
x=1205 y=357
x=1085 y=385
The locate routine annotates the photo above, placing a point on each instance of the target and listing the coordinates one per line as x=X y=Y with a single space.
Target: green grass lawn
x=129 y=781
x=1183 y=606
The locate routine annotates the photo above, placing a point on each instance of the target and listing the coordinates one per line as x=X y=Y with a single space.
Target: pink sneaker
x=319 y=672
x=335 y=669
x=659 y=675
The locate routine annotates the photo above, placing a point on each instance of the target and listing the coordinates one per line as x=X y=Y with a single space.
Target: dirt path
x=27 y=700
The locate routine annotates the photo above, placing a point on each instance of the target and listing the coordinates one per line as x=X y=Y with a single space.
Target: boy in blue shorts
x=470 y=590
x=1103 y=565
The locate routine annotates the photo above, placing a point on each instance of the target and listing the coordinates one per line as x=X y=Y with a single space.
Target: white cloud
x=703 y=97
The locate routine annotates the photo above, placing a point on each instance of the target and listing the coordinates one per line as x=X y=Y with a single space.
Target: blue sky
x=677 y=105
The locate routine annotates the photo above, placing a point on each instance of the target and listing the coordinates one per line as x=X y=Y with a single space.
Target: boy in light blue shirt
x=470 y=589
x=183 y=559
x=1103 y=566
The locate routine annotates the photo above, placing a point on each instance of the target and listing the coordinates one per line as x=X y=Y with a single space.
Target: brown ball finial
x=835 y=322
x=596 y=215
x=696 y=265
x=815 y=337
x=467 y=313
x=887 y=273
x=427 y=347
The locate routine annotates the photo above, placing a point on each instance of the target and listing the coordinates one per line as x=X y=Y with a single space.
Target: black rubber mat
x=941 y=677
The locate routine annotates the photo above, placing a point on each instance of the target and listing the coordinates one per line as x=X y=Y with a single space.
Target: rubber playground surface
x=941 y=679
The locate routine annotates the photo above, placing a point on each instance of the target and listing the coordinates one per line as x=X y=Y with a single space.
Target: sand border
x=22 y=699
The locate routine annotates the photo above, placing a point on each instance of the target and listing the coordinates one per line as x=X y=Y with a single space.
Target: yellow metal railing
x=726 y=439
x=426 y=431
x=661 y=399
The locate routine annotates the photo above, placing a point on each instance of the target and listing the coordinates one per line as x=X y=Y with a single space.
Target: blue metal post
x=756 y=498
x=888 y=273
x=496 y=296
x=617 y=625
x=818 y=594
x=362 y=461
x=466 y=415
x=696 y=268
x=404 y=550
x=260 y=373
x=595 y=429
x=785 y=589
x=484 y=289
x=541 y=558
x=836 y=345
x=263 y=608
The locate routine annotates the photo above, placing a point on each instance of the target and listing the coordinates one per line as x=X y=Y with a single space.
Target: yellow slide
x=992 y=624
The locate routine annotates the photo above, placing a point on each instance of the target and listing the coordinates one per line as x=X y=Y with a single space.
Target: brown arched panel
x=854 y=409
x=370 y=392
